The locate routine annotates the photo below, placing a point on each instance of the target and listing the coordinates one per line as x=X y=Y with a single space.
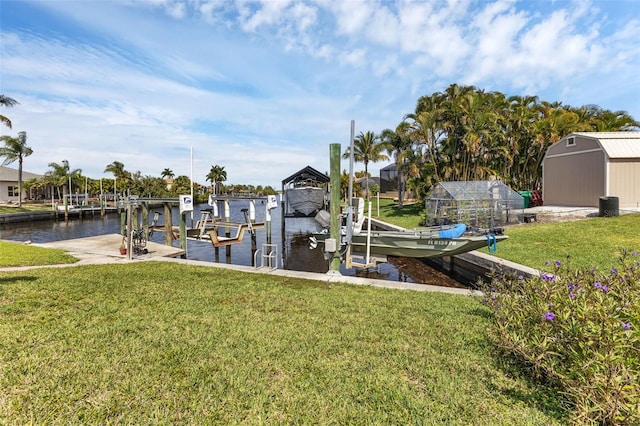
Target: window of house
x=571 y=141
x=13 y=191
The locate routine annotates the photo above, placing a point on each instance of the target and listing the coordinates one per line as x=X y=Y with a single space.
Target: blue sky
x=263 y=88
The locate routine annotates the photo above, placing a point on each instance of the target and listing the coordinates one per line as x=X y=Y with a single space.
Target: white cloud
x=263 y=87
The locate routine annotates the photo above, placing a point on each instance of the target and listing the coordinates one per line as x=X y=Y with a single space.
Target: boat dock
x=54 y=214
x=109 y=244
x=103 y=249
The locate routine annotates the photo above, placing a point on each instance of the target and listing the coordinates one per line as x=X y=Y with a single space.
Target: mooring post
x=254 y=238
x=267 y=218
x=334 y=167
x=254 y=247
x=283 y=230
x=216 y=216
x=168 y=225
x=102 y=201
x=145 y=219
x=123 y=223
x=183 y=233
x=227 y=218
x=129 y=216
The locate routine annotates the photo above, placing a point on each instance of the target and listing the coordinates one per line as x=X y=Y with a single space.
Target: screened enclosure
x=483 y=204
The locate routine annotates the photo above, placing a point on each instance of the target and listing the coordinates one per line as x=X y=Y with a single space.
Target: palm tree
x=367 y=148
x=121 y=175
x=8 y=102
x=216 y=175
x=61 y=175
x=398 y=144
x=167 y=173
x=117 y=168
x=15 y=149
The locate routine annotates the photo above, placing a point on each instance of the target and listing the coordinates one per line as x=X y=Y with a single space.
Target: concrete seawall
x=50 y=215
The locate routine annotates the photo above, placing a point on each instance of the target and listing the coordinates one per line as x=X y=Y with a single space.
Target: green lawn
x=25 y=208
x=20 y=254
x=409 y=216
x=163 y=343
x=595 y=242
x=153 y=342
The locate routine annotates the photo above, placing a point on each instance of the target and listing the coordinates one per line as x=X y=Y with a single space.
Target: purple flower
x=547 y=277
x=520 y=277
x=547 y=262
x=605 y=288
x=634 y=254
x=558 y=264
x=597 y=285
x=614 y=271
x=572 y=295
x=626 y=325
x=549 y=316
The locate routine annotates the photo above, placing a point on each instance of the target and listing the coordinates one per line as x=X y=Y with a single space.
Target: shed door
x=624 y=182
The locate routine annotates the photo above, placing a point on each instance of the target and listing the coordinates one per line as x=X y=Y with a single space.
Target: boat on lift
x=305 y=192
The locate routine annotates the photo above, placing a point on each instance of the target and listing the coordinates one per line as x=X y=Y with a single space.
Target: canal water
x=292 y=242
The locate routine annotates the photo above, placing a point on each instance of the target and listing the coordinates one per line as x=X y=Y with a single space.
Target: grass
x=20 y=254
x=155 y=342
x=590 y=243
x=409 y=216
x=25 y=208
x=595 y=242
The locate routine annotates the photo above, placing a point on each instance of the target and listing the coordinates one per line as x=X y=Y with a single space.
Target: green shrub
x=579 y=331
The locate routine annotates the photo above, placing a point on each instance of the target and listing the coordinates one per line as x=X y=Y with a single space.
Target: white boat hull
x=305 y=201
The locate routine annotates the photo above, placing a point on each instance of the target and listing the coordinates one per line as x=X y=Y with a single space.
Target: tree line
x=64 y=180
x=464 y=133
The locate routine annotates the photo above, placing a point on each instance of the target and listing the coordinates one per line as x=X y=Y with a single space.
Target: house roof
x=307 y=173
x=363 y=180
x=8 y=174
x=390 y=167
x=615 y=144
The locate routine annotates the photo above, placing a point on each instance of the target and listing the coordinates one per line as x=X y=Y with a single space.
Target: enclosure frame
x=481 y=204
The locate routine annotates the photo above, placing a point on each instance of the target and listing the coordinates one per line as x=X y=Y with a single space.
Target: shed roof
x=307 y=173
x=615 y=144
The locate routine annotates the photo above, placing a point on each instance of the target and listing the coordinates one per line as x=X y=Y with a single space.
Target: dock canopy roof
x=308 y=173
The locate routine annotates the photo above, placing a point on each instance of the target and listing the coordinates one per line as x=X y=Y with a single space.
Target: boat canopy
x=483 y=204
x=308 y=173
